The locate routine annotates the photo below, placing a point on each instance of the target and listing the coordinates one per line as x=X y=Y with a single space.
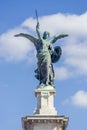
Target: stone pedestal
x=45 y=115
x=45 y=101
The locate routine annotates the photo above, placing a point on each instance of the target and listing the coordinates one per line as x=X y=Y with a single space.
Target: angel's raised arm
x=38 y=32
x=58 y=36
x=31 y=38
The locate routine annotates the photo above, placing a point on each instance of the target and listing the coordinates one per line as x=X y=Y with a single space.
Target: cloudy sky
x=18 y=61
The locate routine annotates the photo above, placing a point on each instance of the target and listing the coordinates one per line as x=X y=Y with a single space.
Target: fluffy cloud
x=62 y=73
x=76 y=56
x=79 y=99
x=74 y=47
x=57 y=23
x=12 y=48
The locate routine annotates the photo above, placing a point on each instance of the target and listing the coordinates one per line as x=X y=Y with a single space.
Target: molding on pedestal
x=44 y=122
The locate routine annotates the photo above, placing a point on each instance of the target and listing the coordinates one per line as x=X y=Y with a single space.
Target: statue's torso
x=42 y=50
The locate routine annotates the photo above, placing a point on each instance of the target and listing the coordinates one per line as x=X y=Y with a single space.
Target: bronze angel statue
x=46 y=55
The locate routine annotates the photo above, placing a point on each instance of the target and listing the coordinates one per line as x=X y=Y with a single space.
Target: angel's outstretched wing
x=31 y=38
x=56 y=37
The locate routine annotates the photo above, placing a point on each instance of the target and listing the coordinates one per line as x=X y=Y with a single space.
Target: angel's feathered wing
x=30 y=37
x=56 y=37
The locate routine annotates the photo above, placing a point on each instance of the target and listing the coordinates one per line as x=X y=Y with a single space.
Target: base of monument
x=44 y=122
x=45 y=115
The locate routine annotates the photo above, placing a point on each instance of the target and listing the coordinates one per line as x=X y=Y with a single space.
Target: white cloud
x=76 y=56
x=12 y=48
x=80 y=99
x=74 y=47
x=57 y=23
x=62 y=73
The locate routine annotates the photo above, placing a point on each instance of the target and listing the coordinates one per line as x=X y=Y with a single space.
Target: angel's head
x=46 y=35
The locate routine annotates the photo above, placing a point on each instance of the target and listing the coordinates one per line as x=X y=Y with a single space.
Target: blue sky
x=18 y=61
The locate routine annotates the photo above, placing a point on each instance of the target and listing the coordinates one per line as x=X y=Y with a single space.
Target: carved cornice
x=30 y=121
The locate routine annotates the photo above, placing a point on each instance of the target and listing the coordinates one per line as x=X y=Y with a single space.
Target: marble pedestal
x=45 y=101
x=45 y=115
